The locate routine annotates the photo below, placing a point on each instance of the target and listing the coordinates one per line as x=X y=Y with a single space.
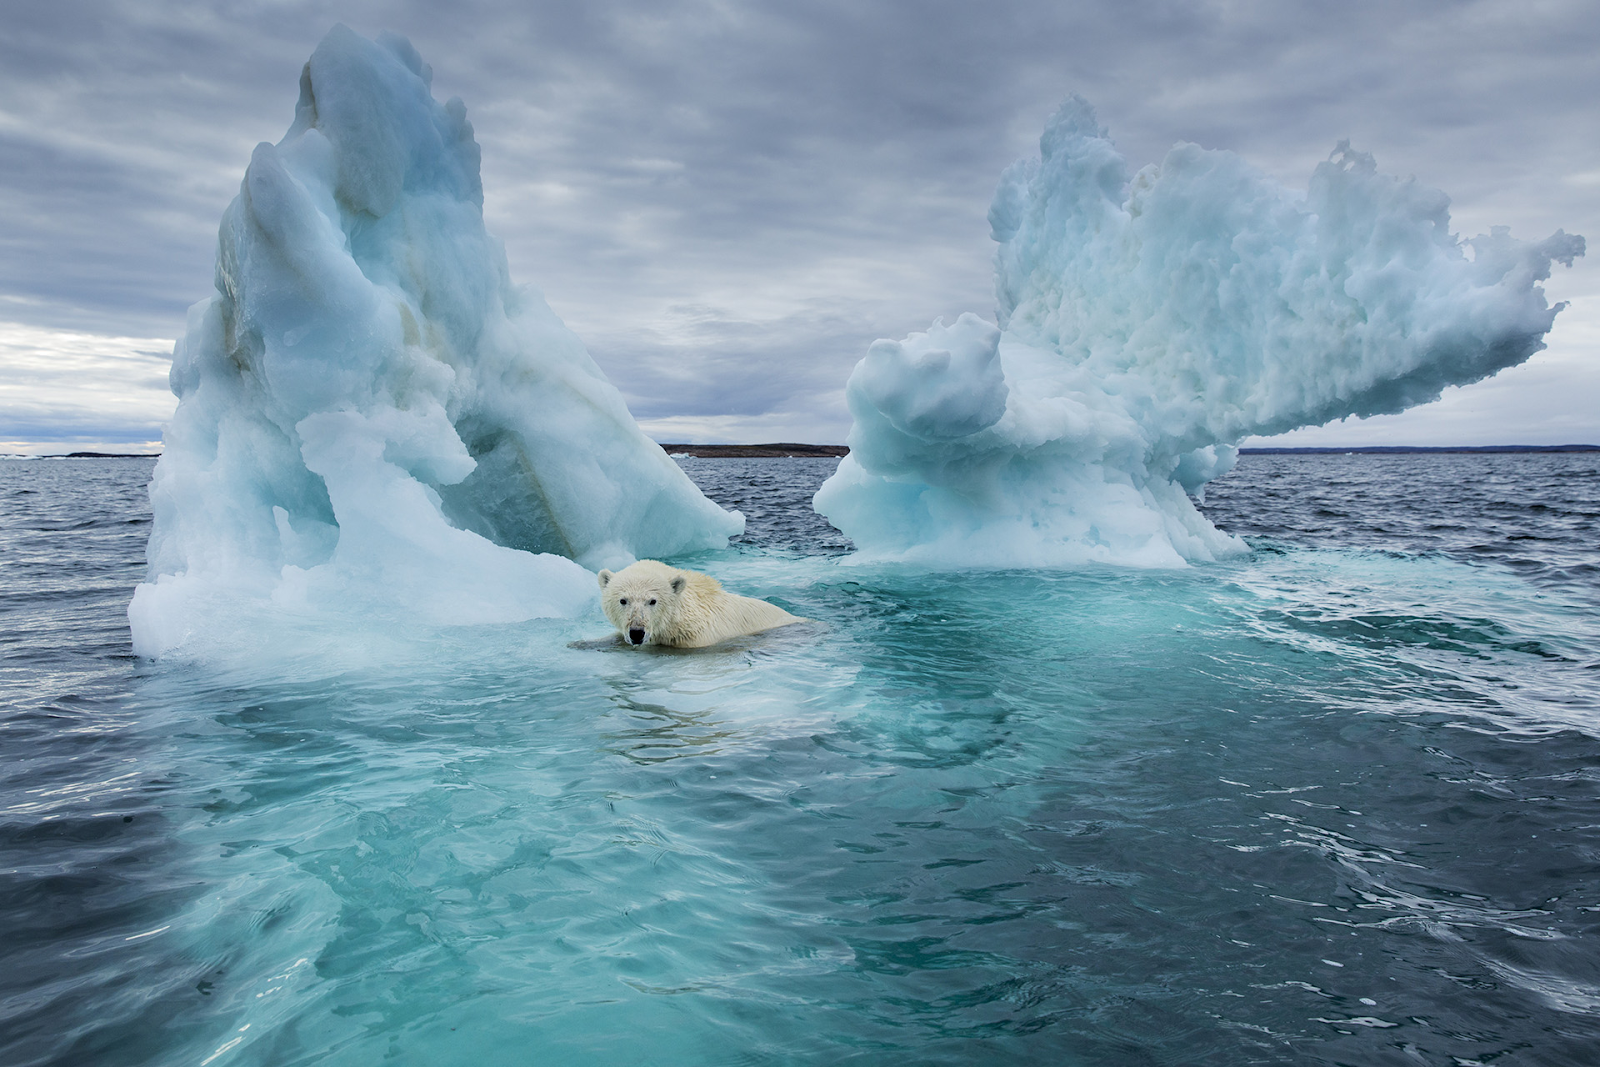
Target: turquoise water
x=1332 y=803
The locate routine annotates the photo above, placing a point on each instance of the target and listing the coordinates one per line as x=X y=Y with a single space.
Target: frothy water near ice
x=1331 y=803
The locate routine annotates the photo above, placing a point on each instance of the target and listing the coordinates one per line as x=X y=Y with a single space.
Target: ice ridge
x=1147 y=324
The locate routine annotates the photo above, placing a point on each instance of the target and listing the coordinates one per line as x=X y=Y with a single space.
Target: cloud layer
x=730 y=201
x=82 y=392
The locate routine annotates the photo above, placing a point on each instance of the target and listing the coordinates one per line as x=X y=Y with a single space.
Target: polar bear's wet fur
x=651 y=603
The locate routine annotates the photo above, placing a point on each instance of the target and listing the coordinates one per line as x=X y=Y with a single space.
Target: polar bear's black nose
x=636 y=636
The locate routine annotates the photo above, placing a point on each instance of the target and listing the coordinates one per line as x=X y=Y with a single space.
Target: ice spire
x=370 y=415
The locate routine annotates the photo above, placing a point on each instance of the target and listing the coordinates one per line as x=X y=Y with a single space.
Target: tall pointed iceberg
x=371 y=416
x=1147 y=324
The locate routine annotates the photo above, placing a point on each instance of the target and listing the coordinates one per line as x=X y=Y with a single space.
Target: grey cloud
x=719 y=364
x=818 y=171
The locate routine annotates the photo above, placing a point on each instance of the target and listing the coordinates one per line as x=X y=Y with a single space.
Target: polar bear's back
x=707 y=613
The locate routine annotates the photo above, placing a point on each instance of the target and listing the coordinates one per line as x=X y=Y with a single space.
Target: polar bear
x=651 y=603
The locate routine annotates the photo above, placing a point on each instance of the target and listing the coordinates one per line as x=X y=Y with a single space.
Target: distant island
x=1386 y=450
x=85 y=455
x=782 y=450
x=792 y=450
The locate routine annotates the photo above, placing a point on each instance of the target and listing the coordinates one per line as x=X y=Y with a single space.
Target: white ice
x=1149 y=324
x=372 y=420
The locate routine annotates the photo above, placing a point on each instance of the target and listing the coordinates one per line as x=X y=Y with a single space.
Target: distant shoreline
x=85 y=455
x=796 y=451
x=781 y=450
x=1390 y=450
x=792 y=450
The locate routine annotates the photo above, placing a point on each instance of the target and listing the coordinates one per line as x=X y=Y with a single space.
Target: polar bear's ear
x=678 y=583
x=605 y=578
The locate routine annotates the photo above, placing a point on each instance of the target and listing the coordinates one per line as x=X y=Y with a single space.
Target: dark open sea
x=1334 y=803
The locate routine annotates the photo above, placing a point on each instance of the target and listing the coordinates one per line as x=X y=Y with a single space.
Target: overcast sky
x=729 y=201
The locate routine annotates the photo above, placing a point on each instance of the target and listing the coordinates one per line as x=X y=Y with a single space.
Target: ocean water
x=1334 y=803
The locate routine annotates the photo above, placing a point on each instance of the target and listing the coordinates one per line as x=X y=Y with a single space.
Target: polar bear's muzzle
x=635 y=636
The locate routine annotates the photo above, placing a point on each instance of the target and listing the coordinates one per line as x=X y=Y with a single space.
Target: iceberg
x=371 y=419
x=1149 y=323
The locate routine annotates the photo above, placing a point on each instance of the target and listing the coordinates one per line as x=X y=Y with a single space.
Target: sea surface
x=1337 y=802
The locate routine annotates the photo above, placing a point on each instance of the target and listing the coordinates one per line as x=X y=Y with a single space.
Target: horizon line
x=802 y=450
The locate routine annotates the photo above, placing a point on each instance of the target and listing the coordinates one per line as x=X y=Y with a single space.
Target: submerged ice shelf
x=371 y=418
x=1149 y=323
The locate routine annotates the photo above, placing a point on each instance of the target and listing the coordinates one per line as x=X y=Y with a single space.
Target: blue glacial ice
x=371 y=418
x=1147 y=324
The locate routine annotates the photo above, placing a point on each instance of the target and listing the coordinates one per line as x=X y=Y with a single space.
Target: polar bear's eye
x=623 y=602
x=652 y=601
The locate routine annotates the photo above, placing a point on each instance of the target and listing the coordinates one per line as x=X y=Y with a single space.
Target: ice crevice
x=372 y=420
x=1148 y=323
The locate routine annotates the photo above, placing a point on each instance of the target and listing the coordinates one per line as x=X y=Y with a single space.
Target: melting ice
x=1149 y=324
x=371 y=418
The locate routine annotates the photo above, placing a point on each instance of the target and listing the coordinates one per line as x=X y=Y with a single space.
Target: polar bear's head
x=642 y=600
